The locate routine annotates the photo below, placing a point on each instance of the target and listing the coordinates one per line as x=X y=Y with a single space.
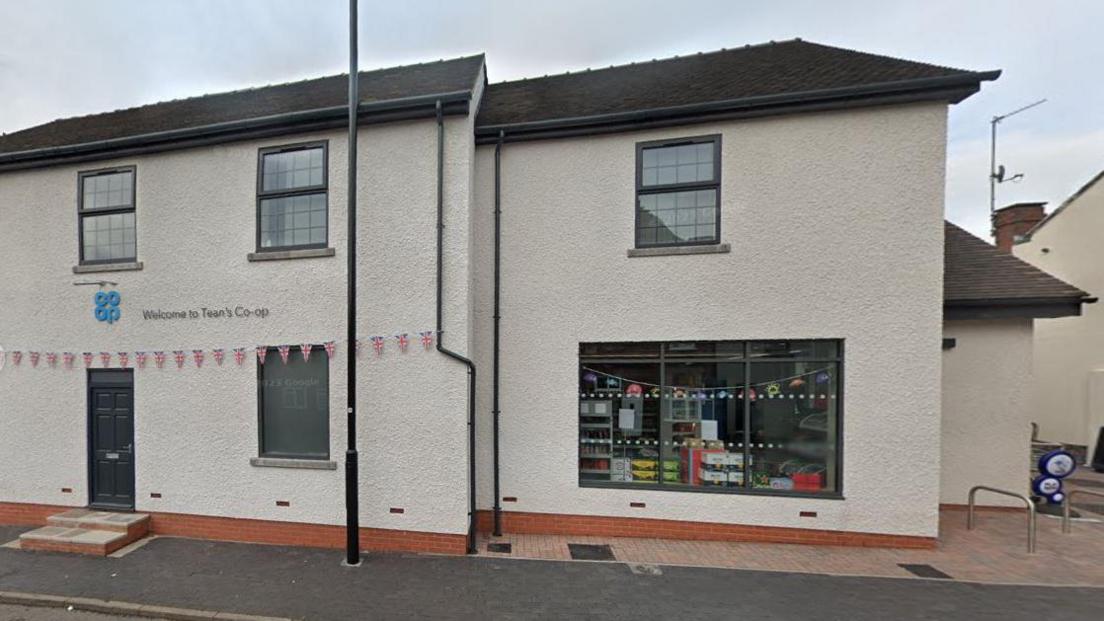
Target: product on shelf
x=808 y=481
x=692 y=463
x=706 y=475
x=781 y=483
x=721 y=458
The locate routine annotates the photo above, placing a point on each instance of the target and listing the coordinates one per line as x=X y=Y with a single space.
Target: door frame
x=90 y=441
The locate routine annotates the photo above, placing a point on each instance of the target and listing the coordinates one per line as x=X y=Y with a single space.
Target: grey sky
x=67 y=57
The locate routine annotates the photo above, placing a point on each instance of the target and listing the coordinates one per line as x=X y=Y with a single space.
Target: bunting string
x=140 y=358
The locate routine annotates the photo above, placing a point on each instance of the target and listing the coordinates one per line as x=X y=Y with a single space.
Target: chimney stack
x=1014 y=221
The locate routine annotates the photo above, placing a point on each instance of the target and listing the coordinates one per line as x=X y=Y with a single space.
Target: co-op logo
x=107 y=306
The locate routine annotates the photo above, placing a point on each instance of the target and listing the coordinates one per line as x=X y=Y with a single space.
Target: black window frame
x=106 y=211
x=747 y=360
x=641 y=189
x=272 y=356
x=323 y=188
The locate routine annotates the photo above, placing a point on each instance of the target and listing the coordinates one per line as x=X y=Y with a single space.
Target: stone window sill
x=96 y=268
x=303 y=464
x=284 y=255
x=669 y=251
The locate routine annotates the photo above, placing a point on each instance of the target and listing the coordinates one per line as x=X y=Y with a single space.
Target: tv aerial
x=997 y=174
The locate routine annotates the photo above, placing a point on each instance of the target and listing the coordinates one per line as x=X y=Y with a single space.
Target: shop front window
x=723 y=416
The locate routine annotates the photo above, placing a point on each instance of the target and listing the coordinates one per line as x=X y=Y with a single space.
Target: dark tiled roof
x=445 y=76
x=975 y=272
x=754 y=71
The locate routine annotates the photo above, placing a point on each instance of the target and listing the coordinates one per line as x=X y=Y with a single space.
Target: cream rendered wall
x=986 y=412
x=196 y=429
x=1069 y=351
x=835 y=221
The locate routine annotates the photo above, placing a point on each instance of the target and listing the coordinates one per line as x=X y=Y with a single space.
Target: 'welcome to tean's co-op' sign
x=207 y=312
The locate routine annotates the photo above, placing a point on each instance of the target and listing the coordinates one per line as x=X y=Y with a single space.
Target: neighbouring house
x=1067 y=392
x=705 y=297
x=991 y=302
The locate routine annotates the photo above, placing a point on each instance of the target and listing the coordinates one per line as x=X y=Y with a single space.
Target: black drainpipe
x=495 y=411
x=440 y=324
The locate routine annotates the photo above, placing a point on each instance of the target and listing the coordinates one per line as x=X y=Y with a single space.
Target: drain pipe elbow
x=440 y=325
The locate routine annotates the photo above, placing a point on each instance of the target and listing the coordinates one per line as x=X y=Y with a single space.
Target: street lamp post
x=352 y=485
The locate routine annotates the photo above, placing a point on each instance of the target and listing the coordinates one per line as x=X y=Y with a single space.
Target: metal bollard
x=971 y=520
x=1066 y=506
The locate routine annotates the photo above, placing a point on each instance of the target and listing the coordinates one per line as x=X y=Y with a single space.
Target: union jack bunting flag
x=51 y=358
x=87 y=358
x=305 y=348
x=330 y=348
x=67 y=359
x=140 y=359
x=17 y=357
x=427 y=339
x=124 y=359
x=105 y=358
x=198 y=355
x=239 y=355
x=404 y=340
x=377 y=344
x=219 y=355
x=356 y=347
x=284 y=350
x=262 y=351
x=179 y=357
x=159 y=359
x=34 y=358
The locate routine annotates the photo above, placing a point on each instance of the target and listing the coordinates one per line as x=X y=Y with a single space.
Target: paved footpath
x=311 y=584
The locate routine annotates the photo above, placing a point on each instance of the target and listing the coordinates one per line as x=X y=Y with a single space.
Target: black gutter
x=947 y=88
x=352 y=478
x=1009 y=308
x=406 y=108
x=495 y=410
x=1070 y=299
x=440 y=324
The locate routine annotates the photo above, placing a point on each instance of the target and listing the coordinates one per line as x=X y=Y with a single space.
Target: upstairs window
x=105 y=207
x=678 y=192
x=292 y=197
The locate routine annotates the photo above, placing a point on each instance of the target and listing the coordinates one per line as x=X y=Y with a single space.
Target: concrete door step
x=84 y=531
x=100 y=520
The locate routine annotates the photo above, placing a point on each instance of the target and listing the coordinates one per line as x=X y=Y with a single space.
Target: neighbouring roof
x=386 y=89
x=1054 y=214
x=753 y=77
x=980 y=281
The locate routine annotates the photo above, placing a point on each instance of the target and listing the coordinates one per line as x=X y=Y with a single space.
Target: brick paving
x=995 y=552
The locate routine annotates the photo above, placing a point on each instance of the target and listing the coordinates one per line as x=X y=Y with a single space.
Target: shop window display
x=723 y=416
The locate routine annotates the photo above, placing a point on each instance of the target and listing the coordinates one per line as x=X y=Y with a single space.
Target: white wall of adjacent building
x=1067 y=393
x=986 y=409
x=196 y=429
x=835 y=224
